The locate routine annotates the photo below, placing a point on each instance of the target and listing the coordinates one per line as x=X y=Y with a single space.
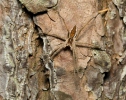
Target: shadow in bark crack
x=107 y=75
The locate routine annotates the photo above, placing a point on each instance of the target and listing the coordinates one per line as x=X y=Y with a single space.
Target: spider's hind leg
x=75 y=58
x=57 y=50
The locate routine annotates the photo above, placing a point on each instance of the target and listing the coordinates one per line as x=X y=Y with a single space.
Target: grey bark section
x=114 y=80
x=3 y=75
x=121 y=5
x=17 y=30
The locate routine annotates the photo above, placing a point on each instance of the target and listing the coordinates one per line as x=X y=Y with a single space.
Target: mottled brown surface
x=27 y=71
x=71 y=13
x=19 y=55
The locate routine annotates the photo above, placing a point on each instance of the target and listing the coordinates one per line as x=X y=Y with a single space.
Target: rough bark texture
x=32 y=29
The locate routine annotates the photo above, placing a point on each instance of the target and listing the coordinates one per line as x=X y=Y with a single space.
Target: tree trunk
x=62 y=50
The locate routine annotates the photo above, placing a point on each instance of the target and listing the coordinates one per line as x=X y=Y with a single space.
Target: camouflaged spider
x=72 y=42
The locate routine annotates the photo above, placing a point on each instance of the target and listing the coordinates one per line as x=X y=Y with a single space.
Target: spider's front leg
x=93 y=17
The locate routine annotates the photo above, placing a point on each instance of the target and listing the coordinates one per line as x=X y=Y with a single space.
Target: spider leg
x=57 y=50
x=63 y=22
x=74 y=57
x=91 y=46
x=76 y=71
x=103 y=11
x=56 y=36
x=90 y=19
x=52 y=35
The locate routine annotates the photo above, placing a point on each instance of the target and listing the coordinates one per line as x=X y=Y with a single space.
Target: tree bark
x=62 y=50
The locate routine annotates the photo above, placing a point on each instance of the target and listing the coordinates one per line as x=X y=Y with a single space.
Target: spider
x=72 y=42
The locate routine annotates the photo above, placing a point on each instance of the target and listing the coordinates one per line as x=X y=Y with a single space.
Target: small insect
x=72 y=42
